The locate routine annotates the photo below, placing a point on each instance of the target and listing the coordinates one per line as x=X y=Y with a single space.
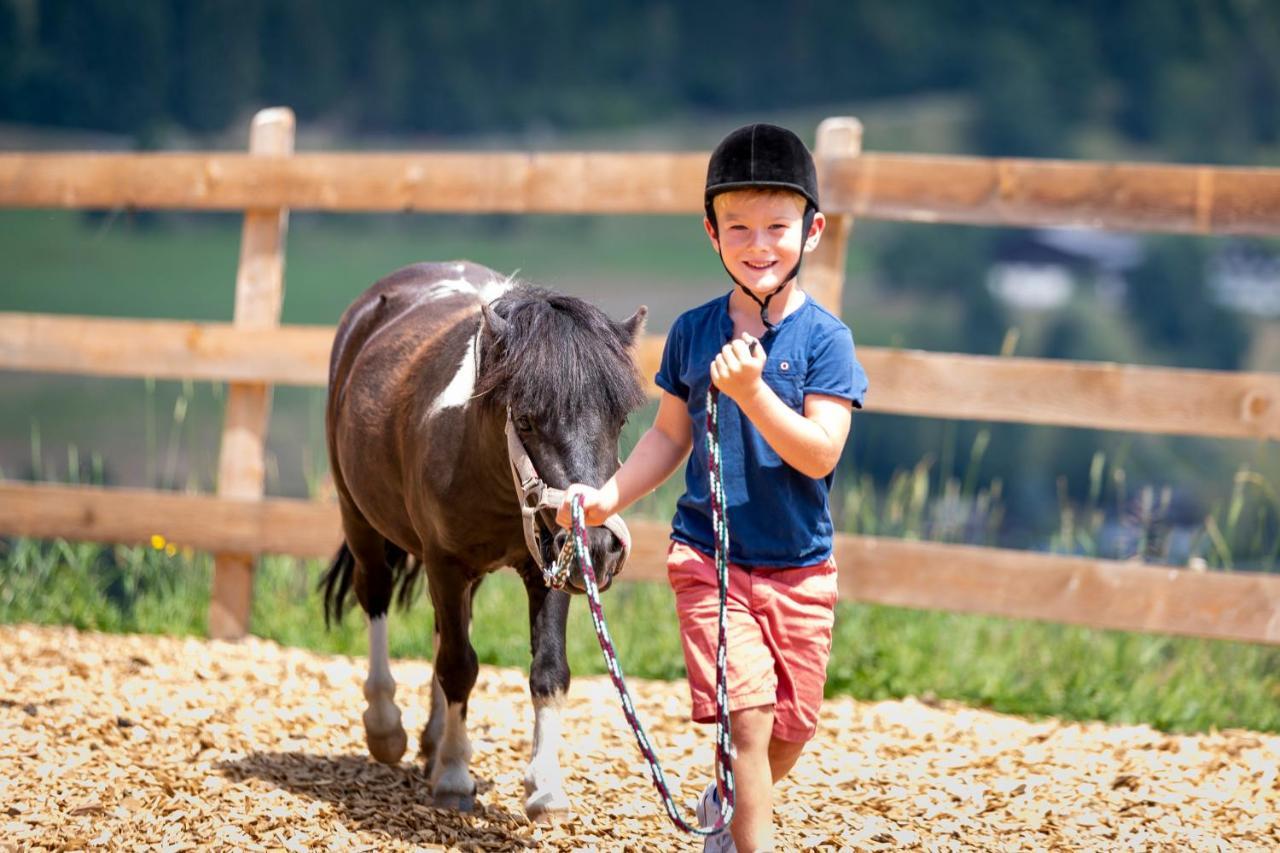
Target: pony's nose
x=612 y=558
x=606 y=558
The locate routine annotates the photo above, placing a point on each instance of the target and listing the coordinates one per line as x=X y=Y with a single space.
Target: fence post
x=259 y=296
x=824 y=270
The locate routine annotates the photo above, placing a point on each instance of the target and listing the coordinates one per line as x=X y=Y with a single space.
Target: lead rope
x=559 y=571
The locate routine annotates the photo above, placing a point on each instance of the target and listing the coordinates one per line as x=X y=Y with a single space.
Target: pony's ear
x=631 y=328
x=494 y=326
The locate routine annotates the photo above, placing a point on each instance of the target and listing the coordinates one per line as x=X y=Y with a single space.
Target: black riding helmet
x=762 y=156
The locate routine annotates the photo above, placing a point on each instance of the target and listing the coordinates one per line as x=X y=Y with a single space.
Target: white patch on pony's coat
x=448 y=287
x=543 y=780
x=453 y=755
x=382 y=715
x=460 y=388
x=495 y=287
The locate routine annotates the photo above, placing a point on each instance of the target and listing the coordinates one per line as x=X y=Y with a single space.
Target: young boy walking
x=788 y=379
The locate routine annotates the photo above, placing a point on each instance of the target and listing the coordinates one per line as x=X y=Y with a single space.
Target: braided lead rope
x=556 y=574
x=724 y=749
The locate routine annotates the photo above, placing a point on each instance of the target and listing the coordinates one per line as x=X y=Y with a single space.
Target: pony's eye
x=524 y=423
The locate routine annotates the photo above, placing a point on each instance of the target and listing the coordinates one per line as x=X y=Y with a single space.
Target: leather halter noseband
x=535 y=495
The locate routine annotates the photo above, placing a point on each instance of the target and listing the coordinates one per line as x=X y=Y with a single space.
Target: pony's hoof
x=548 y=816
x=456 y=802
x=545 y=800
x=388 y=748
x=550 y=805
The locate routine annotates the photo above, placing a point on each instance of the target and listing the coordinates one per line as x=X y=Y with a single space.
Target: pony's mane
x=558 y=354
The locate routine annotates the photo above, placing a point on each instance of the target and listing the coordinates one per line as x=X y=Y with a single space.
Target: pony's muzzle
x=608 y=554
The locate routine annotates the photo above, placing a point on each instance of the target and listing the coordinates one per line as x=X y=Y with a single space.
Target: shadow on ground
x=392 y=801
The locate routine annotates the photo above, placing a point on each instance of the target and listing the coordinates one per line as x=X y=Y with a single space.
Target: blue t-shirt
x=777 y=516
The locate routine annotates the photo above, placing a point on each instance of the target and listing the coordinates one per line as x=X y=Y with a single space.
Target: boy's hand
x=598 y=504
x=736 y=370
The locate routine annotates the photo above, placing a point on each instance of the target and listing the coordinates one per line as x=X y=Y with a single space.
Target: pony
x=432 y=369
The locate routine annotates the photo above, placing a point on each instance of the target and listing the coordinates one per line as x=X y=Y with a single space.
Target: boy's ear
x=710 y=228
x=816 y=230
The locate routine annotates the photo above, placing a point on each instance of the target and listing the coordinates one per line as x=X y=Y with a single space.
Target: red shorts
x=778 y=631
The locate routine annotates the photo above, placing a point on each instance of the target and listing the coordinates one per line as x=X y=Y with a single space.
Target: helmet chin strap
x=795 y=271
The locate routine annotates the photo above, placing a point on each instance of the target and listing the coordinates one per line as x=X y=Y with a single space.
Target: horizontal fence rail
x=922 y=188
x=1097 y=593
x=908 y=382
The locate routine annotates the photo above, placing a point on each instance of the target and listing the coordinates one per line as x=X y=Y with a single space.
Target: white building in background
x=1041 y=269
x=1245 y=278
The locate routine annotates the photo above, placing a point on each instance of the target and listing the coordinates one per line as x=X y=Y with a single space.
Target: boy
x=788 y=377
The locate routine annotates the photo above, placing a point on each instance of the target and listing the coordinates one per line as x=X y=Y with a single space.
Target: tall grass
x=1114 y=521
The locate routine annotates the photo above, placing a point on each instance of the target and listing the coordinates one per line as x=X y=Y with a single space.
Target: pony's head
x=564 y=372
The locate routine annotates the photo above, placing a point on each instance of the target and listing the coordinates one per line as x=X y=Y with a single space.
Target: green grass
x=1177 y=684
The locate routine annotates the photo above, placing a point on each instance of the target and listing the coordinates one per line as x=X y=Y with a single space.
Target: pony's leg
x=456 y=668
x=373 y=584
x=431 y=732
x=434 y=728
x=545 y=799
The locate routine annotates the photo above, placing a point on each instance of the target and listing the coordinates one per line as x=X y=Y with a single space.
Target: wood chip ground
x=134 y=743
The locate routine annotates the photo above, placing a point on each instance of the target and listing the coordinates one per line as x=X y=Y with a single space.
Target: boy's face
x=760 y=235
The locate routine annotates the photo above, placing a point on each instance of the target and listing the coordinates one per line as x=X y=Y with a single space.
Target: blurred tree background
x=1151 y=80
x=1194 y=79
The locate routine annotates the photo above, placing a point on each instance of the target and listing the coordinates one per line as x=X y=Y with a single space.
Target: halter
x=535 y=495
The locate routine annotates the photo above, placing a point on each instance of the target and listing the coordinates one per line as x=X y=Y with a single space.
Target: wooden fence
x=254 y=353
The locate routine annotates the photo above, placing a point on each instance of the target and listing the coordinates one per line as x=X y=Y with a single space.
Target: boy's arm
x=810 y=442
x=656 y=456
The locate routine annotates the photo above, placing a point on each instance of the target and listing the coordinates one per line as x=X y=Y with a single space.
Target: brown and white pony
x=427 y=366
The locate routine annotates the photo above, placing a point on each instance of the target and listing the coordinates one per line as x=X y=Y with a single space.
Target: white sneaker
x=708 y=812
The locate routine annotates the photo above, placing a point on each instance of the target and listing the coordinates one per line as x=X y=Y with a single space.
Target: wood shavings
x=130 y=742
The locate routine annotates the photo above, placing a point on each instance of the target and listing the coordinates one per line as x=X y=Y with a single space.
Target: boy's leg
x=783 y=755
x=752 y=826
x=761 y=762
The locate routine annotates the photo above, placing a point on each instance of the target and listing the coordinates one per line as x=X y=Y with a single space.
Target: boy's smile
x=759 y=236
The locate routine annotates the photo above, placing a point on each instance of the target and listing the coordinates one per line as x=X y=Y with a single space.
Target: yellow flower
x=171 y=549
x=157 y=541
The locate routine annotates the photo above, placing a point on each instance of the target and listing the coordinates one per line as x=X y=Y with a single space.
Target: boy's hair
x=765 y=192
x=764 y=157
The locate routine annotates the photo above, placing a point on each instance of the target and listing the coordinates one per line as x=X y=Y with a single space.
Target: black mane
x=558 y=353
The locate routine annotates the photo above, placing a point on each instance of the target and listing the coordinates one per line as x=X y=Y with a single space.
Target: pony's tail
x=336 y=585
x=336 y=581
